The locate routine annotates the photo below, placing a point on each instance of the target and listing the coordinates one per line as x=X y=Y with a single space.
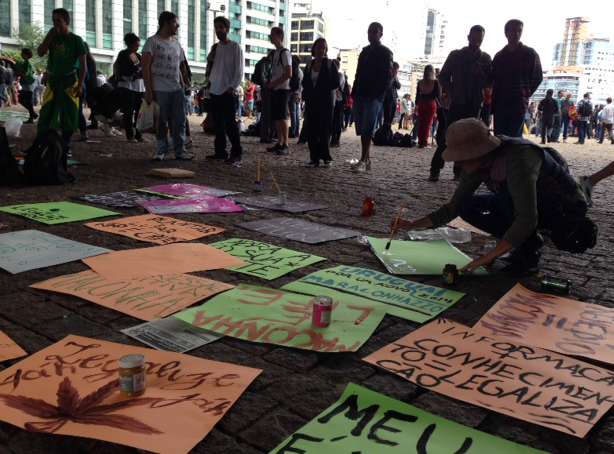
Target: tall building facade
x=435 y=33
x=305 y=28
x=103 y=24
x=570 y=50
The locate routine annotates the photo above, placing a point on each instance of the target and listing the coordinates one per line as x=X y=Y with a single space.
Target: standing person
x=294 y=105
x=3 y=99
x=264 y=69
x=60 y=108
x=585 y=108
x=390 y=98
x=28 y=83
x=347 y=111
x=319 y=85
x=373 y=76
x=466 y=73
x=281 y=72
x=486 y=112
x=335 y=140
x=566 y=104
x=11 y=92
x=250 y=90
x=225 y=80
x=162 y=56
x=517 y=72
x=556 y=130
x=607 y=120
x=404 y=120
x=548 y=108
x=428 y=98
x=130 y=85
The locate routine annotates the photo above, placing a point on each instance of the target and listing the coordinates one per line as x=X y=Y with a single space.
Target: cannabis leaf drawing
x=80 y=411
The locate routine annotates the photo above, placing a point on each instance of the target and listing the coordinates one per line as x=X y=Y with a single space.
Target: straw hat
x=468 y=139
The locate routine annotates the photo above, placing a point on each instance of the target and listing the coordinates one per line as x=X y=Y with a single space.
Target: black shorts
x=279 y=104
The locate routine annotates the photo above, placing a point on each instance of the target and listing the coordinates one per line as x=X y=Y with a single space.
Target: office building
x=305 y=28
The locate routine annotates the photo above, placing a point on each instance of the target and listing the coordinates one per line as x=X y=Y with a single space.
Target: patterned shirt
x=166 y=58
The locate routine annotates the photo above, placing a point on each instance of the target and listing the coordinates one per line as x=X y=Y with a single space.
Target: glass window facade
x=127 y=16
x=143 y=20
x=5 y=18
x=107 y=24
x=306 y=36
x=191 y=27
x=24 y=13
x=90 y=22
x=175 y=6
x=69 y=5
x=204 y=29
x=307 y=25
x=49 y=7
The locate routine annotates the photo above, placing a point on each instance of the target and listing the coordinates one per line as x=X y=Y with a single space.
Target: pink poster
x=191 y=191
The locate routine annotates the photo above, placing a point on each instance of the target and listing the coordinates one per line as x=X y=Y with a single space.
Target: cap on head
x=468 y=139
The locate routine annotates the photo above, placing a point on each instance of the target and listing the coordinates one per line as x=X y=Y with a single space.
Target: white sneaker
x=360 y=168
x=115 y=132
x=355 y=165
x=159 y=157
x=106 y=129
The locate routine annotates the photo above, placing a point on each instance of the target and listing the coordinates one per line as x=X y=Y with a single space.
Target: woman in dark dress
x=130 y=85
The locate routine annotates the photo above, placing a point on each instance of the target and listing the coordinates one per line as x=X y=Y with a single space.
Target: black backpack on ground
x=46 y=160
x=383 y=136
x=396 y=139
x=9 y=170
x=407 y=141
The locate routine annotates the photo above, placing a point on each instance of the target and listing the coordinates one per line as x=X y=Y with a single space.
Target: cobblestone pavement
x=296 y=385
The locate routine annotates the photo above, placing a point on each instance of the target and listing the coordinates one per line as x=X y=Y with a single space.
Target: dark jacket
x=457 y=78
x=392 y=94
x=374 y=72
x=321 y=98
x=127 y=68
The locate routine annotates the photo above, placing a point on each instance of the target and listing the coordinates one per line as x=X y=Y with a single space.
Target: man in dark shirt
x=517 y=73
x=549 y=108
x=391 y=96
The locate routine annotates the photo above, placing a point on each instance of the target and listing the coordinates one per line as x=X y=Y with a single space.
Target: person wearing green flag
x=28 y=83
x=60 y=108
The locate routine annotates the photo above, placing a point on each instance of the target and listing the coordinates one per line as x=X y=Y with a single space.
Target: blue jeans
x=295 y=117
x=556 y=131
x=172 y=106
x=582 y=127
x=508 y=122
x=3 y=99
x=565 y=125
x=366 y=113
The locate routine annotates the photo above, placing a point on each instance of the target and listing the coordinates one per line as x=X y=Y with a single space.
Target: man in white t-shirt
x=607 y=120
x=225 y=81
x=281 y=72
x=162 y=56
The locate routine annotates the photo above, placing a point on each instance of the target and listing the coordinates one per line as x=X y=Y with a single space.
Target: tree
x=31 y=36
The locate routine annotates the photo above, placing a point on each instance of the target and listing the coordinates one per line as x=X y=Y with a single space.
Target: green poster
x=265 y=260
x=364 y=421
x=419 y=257
x=57 y=212
x=260 y=314
x=403 y=298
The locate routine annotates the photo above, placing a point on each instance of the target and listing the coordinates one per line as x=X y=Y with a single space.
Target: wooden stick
x=275 y=181
x=259 y=180
x=395 y=225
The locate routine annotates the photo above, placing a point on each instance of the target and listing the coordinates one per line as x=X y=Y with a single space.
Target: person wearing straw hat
x=529 y=189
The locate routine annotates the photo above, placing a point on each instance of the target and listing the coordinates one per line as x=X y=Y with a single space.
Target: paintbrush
x=395 y=225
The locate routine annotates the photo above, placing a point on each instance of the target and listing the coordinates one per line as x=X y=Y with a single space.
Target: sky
x=544 y=22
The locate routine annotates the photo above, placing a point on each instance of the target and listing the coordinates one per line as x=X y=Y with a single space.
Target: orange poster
x=558 y=324
x=9 y=349
x=156 y=229
x=501 y=375
x=460 y=224
x=72 y=388
x=160 y=260
x=147 y=298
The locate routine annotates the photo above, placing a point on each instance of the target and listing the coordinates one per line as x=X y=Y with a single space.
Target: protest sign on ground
x=31 y=249
x=72 y=388
x=460 y=224
x=552 y=322
x=299 y=230
x=190 y=191
x=57 y=212
x=260 y=314
x=201 y=205
x=270 y=202
x=156 y=229
x=265 y=260
x=120 y=199
x=364 y=421
x=9 y=349
x=402 y=298
x=147 y=298
x=501 y=375
x=173 y=258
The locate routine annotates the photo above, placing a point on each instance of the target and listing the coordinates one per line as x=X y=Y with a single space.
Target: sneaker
x=360 y=168
x=283 y=151
x=184 y=156
x=564 y=140
x=368 y=165
x=312 y=164
x=216 y=157
x=106 y=129
x=587 y=190
x=133 y=140
x=189 y=143
x=115 y=132
x=140 y=139
x=274 y=148
x=356 y=164
x=328 y=164
x=433 y=176
x=524 y=264
x=232 y=161
x=159 y=157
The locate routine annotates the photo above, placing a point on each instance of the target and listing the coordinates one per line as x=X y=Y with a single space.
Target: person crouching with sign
x=530 y=188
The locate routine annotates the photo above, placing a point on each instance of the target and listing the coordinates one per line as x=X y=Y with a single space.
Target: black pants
x=25 y=99
x=337 y=123
x=390 y=107
x=319 y=131
x=347 y=113
x=131 y=104
x=455 y=113
x=224 y=109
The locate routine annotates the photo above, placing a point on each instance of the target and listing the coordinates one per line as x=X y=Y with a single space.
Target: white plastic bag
x=147 y=122
x=13 y=127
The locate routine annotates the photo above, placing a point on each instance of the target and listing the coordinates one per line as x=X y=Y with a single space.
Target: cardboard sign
x=72 y=388
x=190 y=191
x=30 y=249
x=524 y=382
x=265 y=260
x=120 y=199
x=156 y=229
x=402 y=298
x=57 y=212
x=460 y=224
x=299 y=230
x=174 y=258
x=260 y=314
x=270 y=202
x=9 y=349
x=147 y=298
x=419 y=257
x=202 y=205
x=552 y=322
x=171 y=173
x=364 y=421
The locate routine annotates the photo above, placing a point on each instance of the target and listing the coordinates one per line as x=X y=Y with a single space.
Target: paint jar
x=132 y=382
x=322 y=311
x=450 y=274
x=281 y=198
x=368 y=206
x=562 y=285
x=257 y=186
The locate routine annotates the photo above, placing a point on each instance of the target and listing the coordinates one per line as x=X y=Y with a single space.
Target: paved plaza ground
x=296 y=385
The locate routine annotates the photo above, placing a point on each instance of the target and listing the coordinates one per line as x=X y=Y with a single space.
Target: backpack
x=407 y=141
x=585 y=108
x=260 y=69
x=46 y=160
x=9 y=171
x=383 y=136
x=573 y=234
x=397 y=138
x=295 y=80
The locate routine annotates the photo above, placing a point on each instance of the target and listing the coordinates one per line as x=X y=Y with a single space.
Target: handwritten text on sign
x=525 y=382
x=72 y=388
x=147 y=298
x=555 y=323
x=57 y=212
x=9 y=349
x=260 y=314
x=363 y=421
x=156 y=229
x=265 y=260
x=299 y=230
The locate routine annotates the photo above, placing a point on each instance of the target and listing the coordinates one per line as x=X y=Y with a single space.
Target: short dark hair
x=477 y=29
x=395 y=64
x=511 y=22
x=278 y=31
x=561 y=91
x=166 y=17
x=130 y=39
x=609 y=100
x=378 y=25
x=222 y=20
x=315 y=44
x=62 y=12
x=27 y=52
x=550 y=91
x=586 y=94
